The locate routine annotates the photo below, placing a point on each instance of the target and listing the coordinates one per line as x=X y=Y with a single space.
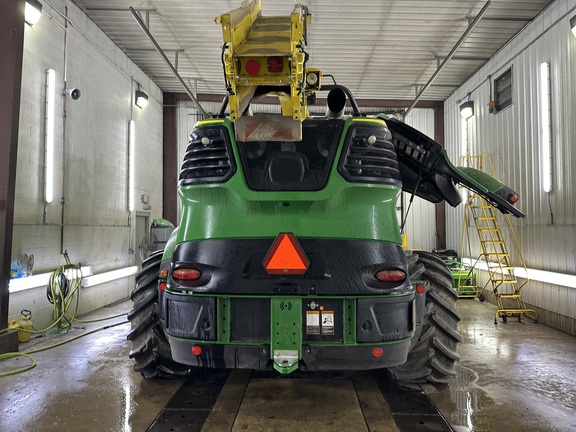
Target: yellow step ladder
x=494 y=250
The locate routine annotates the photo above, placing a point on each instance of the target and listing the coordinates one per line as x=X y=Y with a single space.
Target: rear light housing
x=186 y=274
x=513 y=198
x=390 y=275
x=275 y=64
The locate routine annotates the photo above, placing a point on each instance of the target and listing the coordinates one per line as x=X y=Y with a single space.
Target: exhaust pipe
x=335 y=103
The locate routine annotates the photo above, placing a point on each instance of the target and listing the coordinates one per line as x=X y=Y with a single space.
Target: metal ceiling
x=380 y=49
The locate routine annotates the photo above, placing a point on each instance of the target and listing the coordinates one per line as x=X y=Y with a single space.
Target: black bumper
x=313 y=358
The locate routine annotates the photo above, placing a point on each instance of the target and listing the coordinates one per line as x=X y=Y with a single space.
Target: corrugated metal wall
x=547 y=235
x=421 y=222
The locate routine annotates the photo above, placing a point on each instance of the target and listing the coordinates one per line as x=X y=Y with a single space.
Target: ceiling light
x=573 y=25
x=467 y=109
x=141 y=99
x=32 y=12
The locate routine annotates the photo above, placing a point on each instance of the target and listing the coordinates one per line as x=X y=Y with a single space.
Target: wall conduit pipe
x=449 y=56
x=166 y=60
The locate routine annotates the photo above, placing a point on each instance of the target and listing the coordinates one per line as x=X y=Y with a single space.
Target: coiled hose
x=62 y=291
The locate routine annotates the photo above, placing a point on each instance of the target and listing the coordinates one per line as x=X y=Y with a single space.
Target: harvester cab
x=288 y=254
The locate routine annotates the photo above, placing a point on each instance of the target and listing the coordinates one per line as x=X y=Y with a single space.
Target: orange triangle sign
x=286 y=256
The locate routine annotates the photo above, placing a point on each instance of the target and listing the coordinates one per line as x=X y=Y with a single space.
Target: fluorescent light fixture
x=131 y=159
x=573 y=25
x=49 y=136
x=110 y=276
x=552 y=278
x=545 y=135
x=32 y=12
x=467 y=109
x=141 y=99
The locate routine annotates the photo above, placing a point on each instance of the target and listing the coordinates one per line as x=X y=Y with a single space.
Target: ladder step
x=505 y=281
x=512 y=296
x=486 y=218
x=496 y=254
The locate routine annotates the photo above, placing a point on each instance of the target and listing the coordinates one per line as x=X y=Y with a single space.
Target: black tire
x=150 y=348
x=433 y=357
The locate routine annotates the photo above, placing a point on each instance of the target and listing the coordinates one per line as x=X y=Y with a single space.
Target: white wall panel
x=547 y=235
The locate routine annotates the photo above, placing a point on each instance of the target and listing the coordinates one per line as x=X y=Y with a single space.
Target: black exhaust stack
x=335 y=102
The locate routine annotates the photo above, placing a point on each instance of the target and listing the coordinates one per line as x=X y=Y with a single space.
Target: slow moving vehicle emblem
x=286 y=256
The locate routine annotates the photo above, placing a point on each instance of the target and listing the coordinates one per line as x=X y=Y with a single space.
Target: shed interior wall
x=547 y=236
x=90 y=158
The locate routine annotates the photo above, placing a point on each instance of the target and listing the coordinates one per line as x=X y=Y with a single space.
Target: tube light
x=32 y=12
x=131 y=159
x=49 y=136
x=545 y=135
x=552 y=278
x=110 y=276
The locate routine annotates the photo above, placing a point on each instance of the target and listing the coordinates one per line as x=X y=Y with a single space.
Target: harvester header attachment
x=265 y=56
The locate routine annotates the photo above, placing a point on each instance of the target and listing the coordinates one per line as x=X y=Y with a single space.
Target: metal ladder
x=494 y=251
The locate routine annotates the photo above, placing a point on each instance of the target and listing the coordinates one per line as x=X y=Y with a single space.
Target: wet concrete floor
x=517 y=376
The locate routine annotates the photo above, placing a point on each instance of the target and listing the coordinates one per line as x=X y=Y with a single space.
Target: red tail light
x=186 y=274
x=377 y=352
x=275 y=64
x=252 y=67
x=390 y=276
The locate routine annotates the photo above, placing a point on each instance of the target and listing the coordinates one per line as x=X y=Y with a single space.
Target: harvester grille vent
x=208 y=157
x=369 y=157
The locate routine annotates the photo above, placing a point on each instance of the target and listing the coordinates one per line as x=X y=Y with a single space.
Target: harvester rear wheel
x=150 y=348
x=433 y=357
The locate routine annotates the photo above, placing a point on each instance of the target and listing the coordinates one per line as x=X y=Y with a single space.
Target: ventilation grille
x=370 y=158
x=207 y=158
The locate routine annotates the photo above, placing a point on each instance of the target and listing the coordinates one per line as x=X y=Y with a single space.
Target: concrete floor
x=511 y=377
